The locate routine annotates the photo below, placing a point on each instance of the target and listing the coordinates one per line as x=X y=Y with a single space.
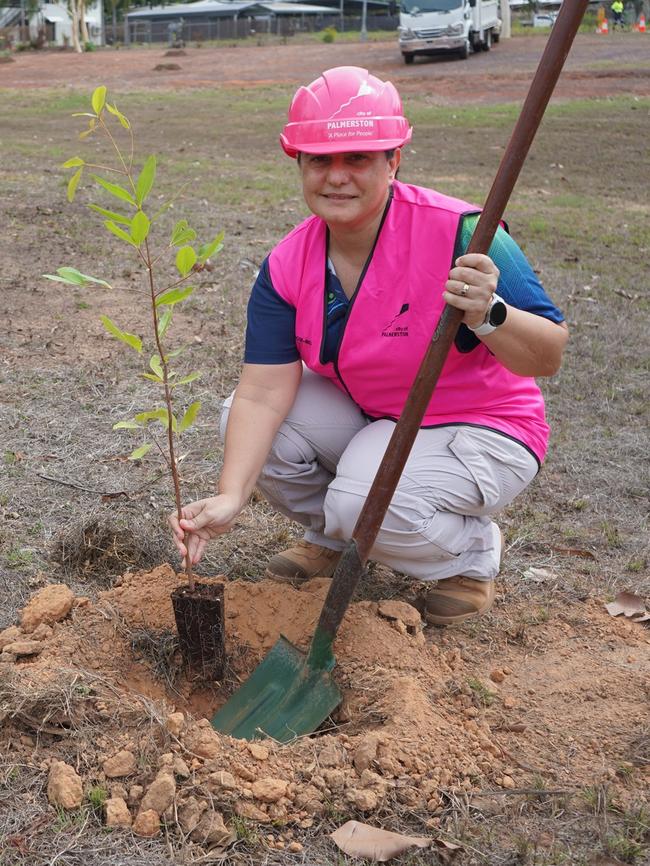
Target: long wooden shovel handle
x=383 y=487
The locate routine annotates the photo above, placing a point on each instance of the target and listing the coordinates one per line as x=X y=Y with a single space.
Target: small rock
x=332 y=755
x=259 y=752
x=51 y=604
x=43 y=632
x=294 y=847
x=147 y=824
x=181 y=770
x=507 y=782
x=189 y=814
x=212 y=831
x=117 y=813
x=497 y=676
x=243 y=772
x=119 y=791
x=400 y=610
x=509 y=702
x=335 y=779
x=175 y=723
x=23 y=648
x=363 y=800
x=10 y=635
x=269 y=790
x=223 y=779
x=160 y=793
x=250 y=810
x=365 y=753
x=121 y=764
x=207 y=744
x=64 y=787
x=135 y=794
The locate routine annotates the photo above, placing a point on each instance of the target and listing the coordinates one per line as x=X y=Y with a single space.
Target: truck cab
x=440 y=26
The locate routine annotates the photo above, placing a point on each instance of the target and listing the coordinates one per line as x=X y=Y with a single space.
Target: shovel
x=291 y=693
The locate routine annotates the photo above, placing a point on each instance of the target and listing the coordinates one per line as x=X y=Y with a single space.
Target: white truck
x=437 y=26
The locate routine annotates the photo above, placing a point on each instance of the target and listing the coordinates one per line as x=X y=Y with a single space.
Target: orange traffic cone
x=642 y=23
x=604 y=27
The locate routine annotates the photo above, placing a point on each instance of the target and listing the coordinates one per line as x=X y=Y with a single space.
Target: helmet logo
x=364 y=90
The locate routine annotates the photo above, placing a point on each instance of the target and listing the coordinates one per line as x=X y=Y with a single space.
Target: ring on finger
x=465 y=290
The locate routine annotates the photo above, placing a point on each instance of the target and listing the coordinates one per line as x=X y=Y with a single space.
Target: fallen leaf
x=630 y=605
x=362 y=840
x=537 y=575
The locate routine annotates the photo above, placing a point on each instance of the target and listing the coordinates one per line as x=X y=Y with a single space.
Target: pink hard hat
x=345 y=109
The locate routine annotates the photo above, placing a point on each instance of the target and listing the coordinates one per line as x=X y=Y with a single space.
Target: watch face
x=498 y=313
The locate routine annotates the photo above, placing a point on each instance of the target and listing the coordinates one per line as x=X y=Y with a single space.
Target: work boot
x=302 y=562
x=456 y=599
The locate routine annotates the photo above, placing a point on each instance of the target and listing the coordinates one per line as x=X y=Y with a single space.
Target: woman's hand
x=202 y=521
x=471 y=284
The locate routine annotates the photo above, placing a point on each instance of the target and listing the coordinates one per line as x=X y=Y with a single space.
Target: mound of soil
x=424 y=714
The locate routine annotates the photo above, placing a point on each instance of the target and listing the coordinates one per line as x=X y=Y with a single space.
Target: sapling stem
x=170 y=415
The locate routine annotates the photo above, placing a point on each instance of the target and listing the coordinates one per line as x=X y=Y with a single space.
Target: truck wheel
x=487 y=41
x=464 y=51
x=408 y=58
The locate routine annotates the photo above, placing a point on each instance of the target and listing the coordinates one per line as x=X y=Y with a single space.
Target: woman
x=338 y=321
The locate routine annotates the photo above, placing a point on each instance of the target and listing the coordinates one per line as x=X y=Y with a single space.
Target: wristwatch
x=495 y=315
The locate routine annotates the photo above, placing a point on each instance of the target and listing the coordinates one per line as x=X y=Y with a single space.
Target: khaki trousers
x=438 y=525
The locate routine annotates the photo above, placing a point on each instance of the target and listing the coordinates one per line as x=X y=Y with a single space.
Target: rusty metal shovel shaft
x=290 y=694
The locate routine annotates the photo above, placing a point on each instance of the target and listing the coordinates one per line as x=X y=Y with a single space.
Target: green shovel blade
x=283 y=698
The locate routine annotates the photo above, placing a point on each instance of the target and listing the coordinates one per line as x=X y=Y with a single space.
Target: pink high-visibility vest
x=392 y=317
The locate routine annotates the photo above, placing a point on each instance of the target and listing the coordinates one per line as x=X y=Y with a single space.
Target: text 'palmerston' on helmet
x=345 y=109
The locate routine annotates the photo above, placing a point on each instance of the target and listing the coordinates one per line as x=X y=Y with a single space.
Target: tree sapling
x=198 y=608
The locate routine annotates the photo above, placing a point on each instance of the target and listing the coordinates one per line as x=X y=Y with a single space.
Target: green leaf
x=73 y=183
x=145 y=180
x=152 y=415
x=115 y=189
x=71 y=163
x=139 y=228
x=164 y=322
x=121 y=117
x=189 y=416
x=92 y=123
x=154 y=363
x=112 y=215
x=126 y=425
x=129 y=339
x=174 y=296
x=185 y=260
x=182 y=233
x=191 y=377
x=98 y=99
x=153 y=378
x=140 y=452
x=212 y=248
x=119 y=233
x=73 y=277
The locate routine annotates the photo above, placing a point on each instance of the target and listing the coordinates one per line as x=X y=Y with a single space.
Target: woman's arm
x=526 y=344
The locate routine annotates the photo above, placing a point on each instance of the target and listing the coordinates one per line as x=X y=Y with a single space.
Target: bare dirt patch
x=504 y=73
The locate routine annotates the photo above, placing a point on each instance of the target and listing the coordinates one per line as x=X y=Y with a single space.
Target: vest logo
x=304 y=340
x=394 y=330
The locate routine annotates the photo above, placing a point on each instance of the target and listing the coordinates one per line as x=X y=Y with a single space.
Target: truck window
x=412 y=7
